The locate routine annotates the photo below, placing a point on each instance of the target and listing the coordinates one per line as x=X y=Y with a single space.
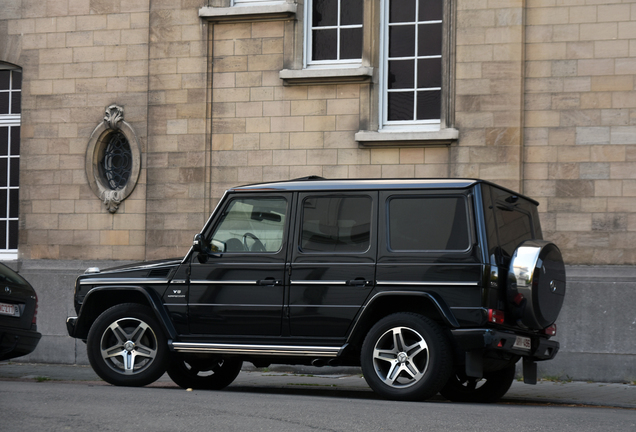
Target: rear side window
x=428 y=224
x=336 y=224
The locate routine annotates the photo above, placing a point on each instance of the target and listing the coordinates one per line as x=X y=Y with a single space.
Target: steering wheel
x=258 y=246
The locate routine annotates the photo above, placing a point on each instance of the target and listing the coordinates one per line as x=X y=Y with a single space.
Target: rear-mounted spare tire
x=536 y=284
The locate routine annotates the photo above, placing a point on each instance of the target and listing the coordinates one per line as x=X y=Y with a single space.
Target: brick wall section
x=177 y=110
x=264 y=131
x=580 y=120
x=78 y=57
x=489 y=91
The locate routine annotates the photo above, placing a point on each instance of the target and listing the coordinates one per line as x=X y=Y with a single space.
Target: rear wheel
x=126 y=346
x=488 y=389
x=406 y=356
x=203 y=373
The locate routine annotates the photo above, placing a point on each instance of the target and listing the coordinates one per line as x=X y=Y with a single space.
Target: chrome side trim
x=235 y=305
x=117 y=281
x=273 y=350
x=431 y=283
x=223 y=282
x=310 y=282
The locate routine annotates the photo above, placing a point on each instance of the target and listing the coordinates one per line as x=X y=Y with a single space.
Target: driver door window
x=251 y=225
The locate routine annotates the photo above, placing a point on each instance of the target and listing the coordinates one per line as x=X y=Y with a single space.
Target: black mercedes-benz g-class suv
x=430 y=285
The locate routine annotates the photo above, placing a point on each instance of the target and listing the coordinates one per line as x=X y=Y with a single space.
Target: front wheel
x=127 y=347
x=203 y=373
x=406 y=356
x=488 y=389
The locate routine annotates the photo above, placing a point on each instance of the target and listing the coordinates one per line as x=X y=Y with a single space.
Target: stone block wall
x=580 y=126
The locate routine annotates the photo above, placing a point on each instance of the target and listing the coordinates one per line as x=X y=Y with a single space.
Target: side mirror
x=198 y=244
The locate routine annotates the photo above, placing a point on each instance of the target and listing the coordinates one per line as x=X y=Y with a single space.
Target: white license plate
x=9 y=309
x=523 y=343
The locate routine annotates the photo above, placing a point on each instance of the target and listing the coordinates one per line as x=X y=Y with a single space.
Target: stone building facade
x=536 y=95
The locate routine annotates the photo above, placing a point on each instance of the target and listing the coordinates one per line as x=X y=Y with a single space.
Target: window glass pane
x=14 y=202
x=3 y=235
x=325 y=13
x=13 y=234
x=324 y=44
x=401 y=11
x=400 y=106
x=15 y=102
x=351 y=43
x=3 y=171
x=14 y=176
x=4 y=79
x=15 y=141
x=429 y=39
x=402 y=41
x=252 y=225
x=3 y=204
x=401 y=74
x=429 y=73
x=429 y=105
x=17 y=80
x=430 y=10
x=4 y=102
x=513 y=226
x=4 y=140
x=336 y=224
x=351 y=12
x=428 y=224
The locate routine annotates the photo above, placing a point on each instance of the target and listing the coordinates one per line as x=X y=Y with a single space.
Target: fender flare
x=435 y=299
x=84 y=322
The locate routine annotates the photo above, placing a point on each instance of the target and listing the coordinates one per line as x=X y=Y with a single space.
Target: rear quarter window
x=428 y=223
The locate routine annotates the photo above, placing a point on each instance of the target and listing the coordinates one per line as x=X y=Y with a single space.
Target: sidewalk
x=345 y=381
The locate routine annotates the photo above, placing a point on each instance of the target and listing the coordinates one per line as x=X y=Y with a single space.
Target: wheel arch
x=382 y=304
x=102 y=298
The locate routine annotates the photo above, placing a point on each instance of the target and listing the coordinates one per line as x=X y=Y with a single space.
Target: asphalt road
x=59 y=406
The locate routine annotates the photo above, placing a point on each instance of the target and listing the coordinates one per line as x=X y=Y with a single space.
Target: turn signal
x=495 y=316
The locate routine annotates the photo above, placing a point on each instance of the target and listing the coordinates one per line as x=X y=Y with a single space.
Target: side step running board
x=274 y=350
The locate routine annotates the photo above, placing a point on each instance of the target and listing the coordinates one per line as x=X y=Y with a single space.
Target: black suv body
x=429 y=285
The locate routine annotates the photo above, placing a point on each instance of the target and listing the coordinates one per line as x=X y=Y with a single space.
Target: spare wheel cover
x=537 y=272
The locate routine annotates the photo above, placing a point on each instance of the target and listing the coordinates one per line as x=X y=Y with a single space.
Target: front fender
x=99 y=299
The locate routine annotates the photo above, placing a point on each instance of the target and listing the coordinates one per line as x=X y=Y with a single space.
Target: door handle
x=358 y=282
x=268 y=282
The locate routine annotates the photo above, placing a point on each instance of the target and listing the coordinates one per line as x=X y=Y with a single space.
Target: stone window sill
x=342 y=75
x=249 y=12
x=442 y=137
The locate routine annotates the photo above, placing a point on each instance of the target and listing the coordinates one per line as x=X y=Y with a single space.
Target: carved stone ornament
x=100 y=168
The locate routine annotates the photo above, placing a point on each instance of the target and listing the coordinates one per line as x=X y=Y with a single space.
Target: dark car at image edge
x=18 y=315
x=430 y=285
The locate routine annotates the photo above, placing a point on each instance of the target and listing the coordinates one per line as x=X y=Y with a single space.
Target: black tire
x=488 y=389
x=406 y=356
x=203 y=373
x=127 y=347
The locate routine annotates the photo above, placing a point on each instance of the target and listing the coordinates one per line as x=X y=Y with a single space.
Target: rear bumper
x=17 y=342
x=503 y=341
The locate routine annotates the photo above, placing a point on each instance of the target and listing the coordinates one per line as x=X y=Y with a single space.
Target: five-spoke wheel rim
x=128 y=346
x=400 y=357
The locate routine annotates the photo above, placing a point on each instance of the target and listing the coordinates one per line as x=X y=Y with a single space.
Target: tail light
x=35 y=312
x=550 y=331
x=495 y=316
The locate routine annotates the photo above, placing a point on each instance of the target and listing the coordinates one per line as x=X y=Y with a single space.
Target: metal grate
x=117 y=161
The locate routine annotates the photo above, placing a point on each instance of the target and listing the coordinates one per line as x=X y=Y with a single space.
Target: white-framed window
x=333 y=33
x=411 y=64
x=10 y=109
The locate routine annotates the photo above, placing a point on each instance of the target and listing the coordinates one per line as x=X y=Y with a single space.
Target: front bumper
x=503 y=341
x=17 y=342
